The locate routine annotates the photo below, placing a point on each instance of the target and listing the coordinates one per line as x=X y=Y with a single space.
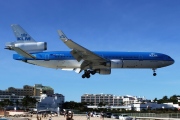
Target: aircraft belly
x=141 y=64
x=56 y=63
x=69 y=64
x=75 y=64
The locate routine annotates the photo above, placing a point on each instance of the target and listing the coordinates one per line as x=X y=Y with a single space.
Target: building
x=153 y=106
x=39 y=89
x=26 y=90
x=50 y=102
x=35 y=90
x=126 y=102
x=17 y=94
x=105 y=99
x=140 y=106
x=16 y=99
x=111 y=100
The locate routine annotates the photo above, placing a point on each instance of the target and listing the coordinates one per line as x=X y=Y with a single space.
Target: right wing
x=80 y=53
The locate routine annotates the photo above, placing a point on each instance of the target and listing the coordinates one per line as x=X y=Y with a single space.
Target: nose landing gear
x=154 y=72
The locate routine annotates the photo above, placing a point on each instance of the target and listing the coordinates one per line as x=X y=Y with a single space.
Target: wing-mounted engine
x=29 y=47
x=104 y=71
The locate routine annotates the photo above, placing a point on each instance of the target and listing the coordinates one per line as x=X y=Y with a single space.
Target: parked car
x=108 y=115
x=125 y=117
x=115 y=116
x=96 y=115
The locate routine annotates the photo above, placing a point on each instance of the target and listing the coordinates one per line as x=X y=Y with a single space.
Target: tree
x=155 y=100
x=173 y=99
x=17 y=103
x=100 y=104
x=28 y=101
x=2 y=104
x=7 y=102
x=165 y=98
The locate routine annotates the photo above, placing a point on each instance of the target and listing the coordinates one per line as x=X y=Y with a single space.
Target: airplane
x=80 y=58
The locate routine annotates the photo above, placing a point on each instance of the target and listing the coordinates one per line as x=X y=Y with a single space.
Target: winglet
x=62 y=36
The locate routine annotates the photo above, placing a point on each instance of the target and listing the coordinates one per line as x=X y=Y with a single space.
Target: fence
x=162 y=115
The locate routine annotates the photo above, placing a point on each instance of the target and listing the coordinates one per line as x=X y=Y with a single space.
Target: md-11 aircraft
x=80 y=58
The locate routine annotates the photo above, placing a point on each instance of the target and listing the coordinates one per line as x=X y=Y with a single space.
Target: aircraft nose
x=172 y=61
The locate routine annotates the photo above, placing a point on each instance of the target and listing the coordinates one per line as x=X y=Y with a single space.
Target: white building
x=146 y=106
x=106 y=99
x=110 y=99
x=50 y=102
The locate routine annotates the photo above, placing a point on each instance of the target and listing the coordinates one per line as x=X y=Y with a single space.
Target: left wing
x=80 y=53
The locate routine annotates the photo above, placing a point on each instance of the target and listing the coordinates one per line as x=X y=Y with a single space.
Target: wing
x=80 y=53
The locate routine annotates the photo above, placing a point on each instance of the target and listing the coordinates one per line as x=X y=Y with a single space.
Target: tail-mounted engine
x=28 y=46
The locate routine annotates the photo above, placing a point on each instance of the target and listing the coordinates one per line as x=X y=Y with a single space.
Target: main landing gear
x=87 y=73
x=154 y=72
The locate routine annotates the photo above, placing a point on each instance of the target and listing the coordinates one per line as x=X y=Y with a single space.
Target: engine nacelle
x=31 y=46
x=104 y=71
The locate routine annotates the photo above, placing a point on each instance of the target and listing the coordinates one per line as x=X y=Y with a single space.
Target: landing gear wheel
x=88 y=76
x=154 y=74
x=83 y=76
x=154 y=71
x=93 y=72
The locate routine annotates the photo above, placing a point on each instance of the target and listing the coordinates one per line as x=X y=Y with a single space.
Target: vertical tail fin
x=21 y=34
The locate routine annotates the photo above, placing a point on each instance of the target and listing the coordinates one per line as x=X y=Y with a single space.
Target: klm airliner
x=80 y=58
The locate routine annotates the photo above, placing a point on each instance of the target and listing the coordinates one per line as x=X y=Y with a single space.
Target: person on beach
x=102 y=115
x=69 y=115
x=50 y=118
x=88 y=115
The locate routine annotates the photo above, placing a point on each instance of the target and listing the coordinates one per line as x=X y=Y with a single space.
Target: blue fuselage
x=64 y=59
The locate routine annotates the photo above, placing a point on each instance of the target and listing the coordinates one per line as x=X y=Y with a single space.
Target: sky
x=98 y=25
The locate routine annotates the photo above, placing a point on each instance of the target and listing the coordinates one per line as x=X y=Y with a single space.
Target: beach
x=75 y=117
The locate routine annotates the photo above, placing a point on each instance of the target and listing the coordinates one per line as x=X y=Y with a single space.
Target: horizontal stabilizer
x=23 y=53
